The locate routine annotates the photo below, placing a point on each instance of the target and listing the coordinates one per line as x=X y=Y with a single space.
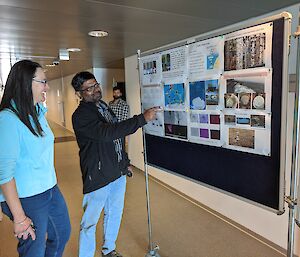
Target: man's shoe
x=112 y=254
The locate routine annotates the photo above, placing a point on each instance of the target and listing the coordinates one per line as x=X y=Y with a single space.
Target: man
x=118 y=105
x=103 y=162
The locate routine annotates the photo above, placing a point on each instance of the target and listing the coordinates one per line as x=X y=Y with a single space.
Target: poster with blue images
x=174 y=96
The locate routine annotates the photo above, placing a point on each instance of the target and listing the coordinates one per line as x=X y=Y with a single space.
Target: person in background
x=118 y=105
x=29 y=193
x=104 y=163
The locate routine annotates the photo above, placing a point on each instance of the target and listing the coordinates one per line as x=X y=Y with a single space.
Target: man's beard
x=117 y=97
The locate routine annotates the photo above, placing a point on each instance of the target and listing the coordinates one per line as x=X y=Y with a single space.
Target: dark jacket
x=98 y=158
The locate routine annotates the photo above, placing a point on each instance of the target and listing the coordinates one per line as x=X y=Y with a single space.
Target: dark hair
x=80 y=78
x=117 y=88
x=18 y=94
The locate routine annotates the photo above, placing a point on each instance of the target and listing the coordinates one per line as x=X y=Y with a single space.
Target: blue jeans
x=49 y=213
x=111 y=198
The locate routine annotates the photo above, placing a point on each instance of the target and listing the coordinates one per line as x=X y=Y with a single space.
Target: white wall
x=67 y=98
x=105 y=78
x=257 y=219
x=135 y=142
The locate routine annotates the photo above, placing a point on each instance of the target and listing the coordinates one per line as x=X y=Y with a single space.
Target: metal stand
x=291 y=200
x=153 y=250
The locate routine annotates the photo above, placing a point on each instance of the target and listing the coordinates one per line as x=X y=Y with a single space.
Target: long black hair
x=18 y=95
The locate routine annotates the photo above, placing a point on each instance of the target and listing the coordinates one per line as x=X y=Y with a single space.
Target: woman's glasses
x=44 y=81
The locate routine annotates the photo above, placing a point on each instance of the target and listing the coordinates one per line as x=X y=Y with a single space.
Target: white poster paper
x=150 y=69
x=153 y=96
x=249 y=48
x=174 y=65
x=206 y=58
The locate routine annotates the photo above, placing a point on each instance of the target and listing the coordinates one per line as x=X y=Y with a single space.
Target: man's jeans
x=49 y=213
x=111 y=198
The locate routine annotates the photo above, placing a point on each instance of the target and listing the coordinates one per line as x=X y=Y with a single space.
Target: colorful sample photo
x=243 y=120
x=245 y=52
x=231 y=100
x=245 y=85
x=212 y=92
x=215 y=134
x=214 y=119
x=258 y=101
x=175 y=123
x=241 y=137
x=245 y=100
x=204 y=133
x=212 y=60
x=166 y=62
x=241 y=93
x=149 y=67
x=203 y=118
x=195 y=132
x=174 y=96
x=194 y=117
x=229 y=119
x=197 y=95
x=258 y=121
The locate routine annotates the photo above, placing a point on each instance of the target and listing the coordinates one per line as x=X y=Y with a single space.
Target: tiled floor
x=181 y=228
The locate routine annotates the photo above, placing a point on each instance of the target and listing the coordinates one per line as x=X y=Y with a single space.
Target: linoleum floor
x=180 y=227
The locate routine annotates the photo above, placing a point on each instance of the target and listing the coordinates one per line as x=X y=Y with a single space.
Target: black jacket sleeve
x=88 y=124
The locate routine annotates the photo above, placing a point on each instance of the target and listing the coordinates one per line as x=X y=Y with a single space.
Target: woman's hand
x=24 y=229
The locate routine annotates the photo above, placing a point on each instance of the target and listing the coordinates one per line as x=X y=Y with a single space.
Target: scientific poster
x=206 y=58
x=246 y=90
x=152 y=95
x=204 y=93
x=175 y=123
x=248 y=48
x=247 y=110
x=150 y=69
x=216 y=92
x=174 y=65
x=205 y=127
x=174 y=95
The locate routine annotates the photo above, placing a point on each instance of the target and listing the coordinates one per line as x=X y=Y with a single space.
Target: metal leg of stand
x=295 y=159
x=153 y=250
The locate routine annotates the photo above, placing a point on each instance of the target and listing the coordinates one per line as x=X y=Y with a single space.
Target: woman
x=29 y=195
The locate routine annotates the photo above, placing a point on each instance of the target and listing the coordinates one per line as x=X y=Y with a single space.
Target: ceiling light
x=98 y=33
x=74 y=49
x=50 y=65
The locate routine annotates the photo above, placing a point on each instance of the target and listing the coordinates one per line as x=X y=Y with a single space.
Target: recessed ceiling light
x=74 y=49
x=50 y=65
x=98 y=33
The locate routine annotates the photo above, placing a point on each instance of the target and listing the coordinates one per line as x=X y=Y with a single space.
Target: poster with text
x=205 y=127
x=206 y=58
x=152 y=95
x=174 y=65
x=247 y=111
x=204 y=94
x=175 y=124
x=150 y=69
x=249 y=48
x=174 y=95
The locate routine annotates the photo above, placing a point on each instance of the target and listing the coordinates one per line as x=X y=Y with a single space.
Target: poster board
x=224 y=109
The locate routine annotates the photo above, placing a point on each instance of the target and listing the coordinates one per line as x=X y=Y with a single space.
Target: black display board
x=251 y=176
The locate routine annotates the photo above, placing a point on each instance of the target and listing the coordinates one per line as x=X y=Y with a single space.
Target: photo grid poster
x=216 y=92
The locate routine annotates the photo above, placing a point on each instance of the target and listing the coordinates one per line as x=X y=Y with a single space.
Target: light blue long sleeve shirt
x=25 y=157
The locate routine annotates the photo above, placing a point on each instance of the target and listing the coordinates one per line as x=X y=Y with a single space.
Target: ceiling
x=37 y=29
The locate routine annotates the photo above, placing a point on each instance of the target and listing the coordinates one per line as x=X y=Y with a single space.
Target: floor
x=180 y=227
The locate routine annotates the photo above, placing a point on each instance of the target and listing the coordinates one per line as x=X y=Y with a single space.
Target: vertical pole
x=152 y=249
x=295 y=159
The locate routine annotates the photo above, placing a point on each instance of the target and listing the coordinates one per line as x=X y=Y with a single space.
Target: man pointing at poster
x=103 y=161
